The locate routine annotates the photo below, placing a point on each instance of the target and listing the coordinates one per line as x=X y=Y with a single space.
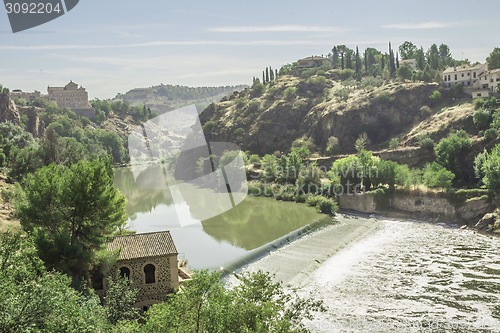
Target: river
x=405 y=276
x=224 y=241
x=410 y=277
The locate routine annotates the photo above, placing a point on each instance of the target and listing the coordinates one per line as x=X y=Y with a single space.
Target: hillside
x=329 y=114
x=168 y=97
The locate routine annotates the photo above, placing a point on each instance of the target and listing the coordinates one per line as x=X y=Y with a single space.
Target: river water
x=403 y=277
x=411 y=277
x=224 y=241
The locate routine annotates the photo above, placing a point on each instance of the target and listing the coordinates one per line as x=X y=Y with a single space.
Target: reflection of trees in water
x=145 y=197
x=258 y=221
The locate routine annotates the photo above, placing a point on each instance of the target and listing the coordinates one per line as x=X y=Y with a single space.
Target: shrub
x=253 y=106
x=426 y=110
x=435 y=96
x=489 y=165
x=482 y=119
x=451 y=152
x=436 y=175
x=333 y=145
x=490 y=134
x=394 y=143
x=327 y=206
x=385 y=97
x=290 y=93
x=309 y=179
x=425 y=142
x=257 y=89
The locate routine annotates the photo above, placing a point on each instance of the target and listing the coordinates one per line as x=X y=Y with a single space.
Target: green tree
x=34 y=300
x=433 y=57
x=257 y=304
x=451 y=153
x=335 y=57
x=445 y=58
x=120 y=299
x=358 y=62
x=420 y=57
x=404 y=72
x=309 y=179
x=72 y=211
x=494 y=59
x=487 y=166
x=408 y=50
x=270 y=167
x=13 y=137
x=436 y=175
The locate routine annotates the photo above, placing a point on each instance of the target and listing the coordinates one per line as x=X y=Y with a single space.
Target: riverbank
x=468 y=208
x=293 y=263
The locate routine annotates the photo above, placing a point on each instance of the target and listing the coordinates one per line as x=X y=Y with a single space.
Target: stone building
x=464 y=74
x=149 y=260
x=312 y=61
x=28 y=96
x=70 y=96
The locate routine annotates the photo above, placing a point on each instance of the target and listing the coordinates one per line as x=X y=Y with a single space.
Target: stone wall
x=166 y=278
x=434 y=207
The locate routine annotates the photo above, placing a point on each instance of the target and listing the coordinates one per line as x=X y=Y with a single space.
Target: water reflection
x=141 y=199
x=217 y=241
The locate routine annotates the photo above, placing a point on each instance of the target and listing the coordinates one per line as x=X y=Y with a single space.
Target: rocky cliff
x=8 y=110
x=323 y=110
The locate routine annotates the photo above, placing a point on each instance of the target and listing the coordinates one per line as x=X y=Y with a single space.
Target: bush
x=258 y=89
x=436 y=175
x=290 y=93
x=482 y=119
x=425 y=142
x=393 y=143
x=309 y=179
x=489 y=165
x=327 y=206
x=435 y=96
x=490 y=134
x=451 y=152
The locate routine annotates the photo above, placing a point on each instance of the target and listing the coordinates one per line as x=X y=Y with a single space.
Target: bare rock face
x=8 y=110
x=35 y=125
x=487 y=221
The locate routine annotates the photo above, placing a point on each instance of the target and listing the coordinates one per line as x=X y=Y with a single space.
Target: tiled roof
x=145 y=245
x=463 y=67
x=313 y=58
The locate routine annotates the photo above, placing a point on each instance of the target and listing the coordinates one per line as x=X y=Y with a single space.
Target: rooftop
x=153 y=244
x=463 y=67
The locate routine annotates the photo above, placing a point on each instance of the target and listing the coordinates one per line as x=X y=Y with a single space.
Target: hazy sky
x=111 y=46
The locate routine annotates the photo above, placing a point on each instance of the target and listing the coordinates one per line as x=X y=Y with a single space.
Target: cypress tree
x=358 y=62
x=276 y=73
x=267 y=74
x=366 y=61
x=271 y=73
x=335 y=57
x=263 y=77
x=397 y=60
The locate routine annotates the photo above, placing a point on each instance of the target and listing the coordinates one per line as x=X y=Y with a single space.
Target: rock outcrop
x=8 y=110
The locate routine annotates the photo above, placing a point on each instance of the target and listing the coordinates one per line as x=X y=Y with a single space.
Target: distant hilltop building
x=28 y=96
x=412 y=63
x=477 y=80
x=150 y=262
x=70 y=96
x=312 y=61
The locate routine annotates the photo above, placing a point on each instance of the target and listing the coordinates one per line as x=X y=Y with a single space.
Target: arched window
x=149 y=272
x=125 y=272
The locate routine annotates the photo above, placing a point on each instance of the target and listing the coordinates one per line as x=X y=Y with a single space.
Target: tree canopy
x=72 y=211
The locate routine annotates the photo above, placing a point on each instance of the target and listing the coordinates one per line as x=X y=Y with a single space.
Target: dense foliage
x=71 y=212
